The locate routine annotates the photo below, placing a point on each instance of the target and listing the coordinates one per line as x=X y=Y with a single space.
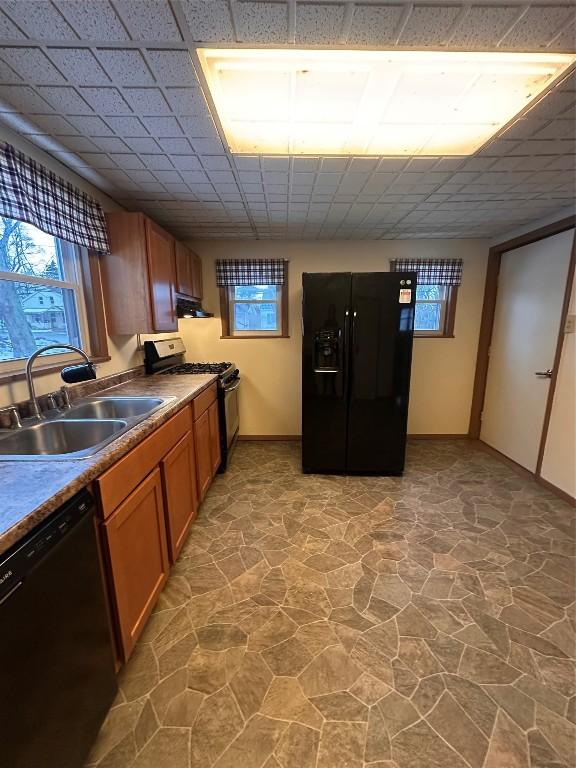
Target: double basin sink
x=79 y=432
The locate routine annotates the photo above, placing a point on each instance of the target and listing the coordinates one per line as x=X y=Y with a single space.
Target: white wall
x=122 y=350
x=559 y=463
x=270 y=403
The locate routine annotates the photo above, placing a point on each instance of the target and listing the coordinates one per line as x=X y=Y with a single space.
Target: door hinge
x=481 y=415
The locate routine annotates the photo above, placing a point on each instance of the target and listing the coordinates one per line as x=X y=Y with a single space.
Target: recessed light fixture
x=343 y=102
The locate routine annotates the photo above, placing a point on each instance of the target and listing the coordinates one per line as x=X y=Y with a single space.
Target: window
x=435 y=310
x=255 y=309
x=41 y=297
x=253 y=297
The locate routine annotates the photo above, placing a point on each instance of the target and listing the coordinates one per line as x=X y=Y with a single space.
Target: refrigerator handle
x=354 y=316
x=346 y=354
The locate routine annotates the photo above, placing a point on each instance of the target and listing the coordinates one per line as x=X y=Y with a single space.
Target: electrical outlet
x=570 y=325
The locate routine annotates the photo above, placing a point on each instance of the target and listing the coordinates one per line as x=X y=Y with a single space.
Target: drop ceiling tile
x=66 y=100
x=106 y=101
x=141 y=177
x=38 y=19
x=172 y=67
x=261 y=22
x=8 y=29
x=187 y=101
x=558 y=129
x=53 y=124
x=79 y=66
x=111 y=144
x=163 y=127
x=32 y=65
x=90 y=125
x=78 y=144
x=175 y=146
x=143 y=144
x=97 y=160
x=22 y=99
x=216 y=163
x=193 y=177
x=172 y=176
x=148 y=20
x=484 y=26
x=317 y=23
x=147 y=101
x=126 y=126
x=207 y=146
x=208 y=21
x=186 y=162
x=198 y=126
x=127 y=161
x=539 y=25
x=429 y=25
x=375 y=24
x=247 y=162
x=125 y=67
x=93 y=20
x=157 y=162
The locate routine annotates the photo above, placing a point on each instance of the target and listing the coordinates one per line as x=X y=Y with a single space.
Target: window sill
x=256 y=336
x=44 y=370
x=418 y=335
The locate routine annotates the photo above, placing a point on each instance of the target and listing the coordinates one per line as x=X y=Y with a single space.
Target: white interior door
x=531 y=290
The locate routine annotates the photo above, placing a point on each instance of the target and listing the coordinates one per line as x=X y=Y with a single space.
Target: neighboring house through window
x=437 y=284
x=253 y=297
x=41 y=299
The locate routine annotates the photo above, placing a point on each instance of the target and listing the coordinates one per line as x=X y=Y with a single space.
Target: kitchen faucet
x=35 y=409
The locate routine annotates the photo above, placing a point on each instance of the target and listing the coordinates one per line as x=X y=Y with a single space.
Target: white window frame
x=71 y=264
x=441 y=331
x=232 y=301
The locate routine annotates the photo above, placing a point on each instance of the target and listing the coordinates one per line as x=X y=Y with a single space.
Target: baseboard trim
x=270 y=437
x=519 y=469
x=557 y=491
x=439 y=436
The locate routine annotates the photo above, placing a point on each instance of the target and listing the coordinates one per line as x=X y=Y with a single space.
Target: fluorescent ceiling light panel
x=337 y=102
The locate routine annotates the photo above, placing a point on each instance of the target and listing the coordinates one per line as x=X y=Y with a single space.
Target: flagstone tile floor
x=425 y=621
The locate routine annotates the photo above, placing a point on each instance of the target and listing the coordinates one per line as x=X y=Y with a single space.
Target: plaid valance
x=250 y=271
x=431 y=271
x=29 y=192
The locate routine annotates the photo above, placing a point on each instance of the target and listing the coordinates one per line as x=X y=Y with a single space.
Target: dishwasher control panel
x=17 y=562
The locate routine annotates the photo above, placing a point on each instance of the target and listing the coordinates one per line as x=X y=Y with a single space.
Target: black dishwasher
x=57 y=676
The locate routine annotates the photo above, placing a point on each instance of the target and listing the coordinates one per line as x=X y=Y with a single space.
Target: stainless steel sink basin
x=114 y=408
x=79 y=432
x=60 y=439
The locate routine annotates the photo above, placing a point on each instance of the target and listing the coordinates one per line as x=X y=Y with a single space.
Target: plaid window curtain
x=31 y=193
x=250 y=272
x=431 y=271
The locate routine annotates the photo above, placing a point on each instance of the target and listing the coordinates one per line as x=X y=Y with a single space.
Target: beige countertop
x=31 y=490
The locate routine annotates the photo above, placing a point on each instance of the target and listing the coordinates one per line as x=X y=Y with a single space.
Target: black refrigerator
x=356 y=357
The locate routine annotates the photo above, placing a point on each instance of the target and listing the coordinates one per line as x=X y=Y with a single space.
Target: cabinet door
x=162 y=275
x=196 y=275
x=214 y=437
x=184 y=276
x=179 y=475
x=136 y=539
x=203 y=453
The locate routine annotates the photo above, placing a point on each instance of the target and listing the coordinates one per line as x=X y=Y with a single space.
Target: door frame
x=487 y=324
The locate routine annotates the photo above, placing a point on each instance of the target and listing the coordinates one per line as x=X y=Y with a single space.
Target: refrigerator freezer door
x=325 y=302
x=381 y=352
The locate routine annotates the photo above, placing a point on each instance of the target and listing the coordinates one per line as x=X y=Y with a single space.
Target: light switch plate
x=570 y=325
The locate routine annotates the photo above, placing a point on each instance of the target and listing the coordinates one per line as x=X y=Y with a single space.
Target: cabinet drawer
x=121 y=479
x=203 y=401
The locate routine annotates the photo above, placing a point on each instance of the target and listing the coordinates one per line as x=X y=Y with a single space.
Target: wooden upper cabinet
x=138 y=557
x=188 y=272
x=139 y=276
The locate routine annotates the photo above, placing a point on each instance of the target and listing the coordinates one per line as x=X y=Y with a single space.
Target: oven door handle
x=233 y=388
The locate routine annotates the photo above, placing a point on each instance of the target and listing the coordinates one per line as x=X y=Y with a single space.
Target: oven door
x=231 y=411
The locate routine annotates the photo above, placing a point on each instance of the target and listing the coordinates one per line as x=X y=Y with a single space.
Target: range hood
x=187 y=308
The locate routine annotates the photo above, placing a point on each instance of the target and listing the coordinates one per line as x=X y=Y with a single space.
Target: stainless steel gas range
x=166 y=357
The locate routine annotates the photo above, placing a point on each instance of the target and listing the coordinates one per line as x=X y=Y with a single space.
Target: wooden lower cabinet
x=178 y=469
x=202 y=440
x=136 y=537
x=215 y=453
